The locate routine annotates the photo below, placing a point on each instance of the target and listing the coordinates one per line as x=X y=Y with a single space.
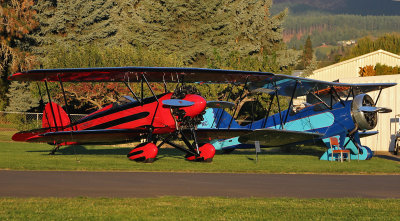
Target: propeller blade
x=220 y=104
x=375 y=109
x=177 y=103
x=261 y=90
x=367 y=133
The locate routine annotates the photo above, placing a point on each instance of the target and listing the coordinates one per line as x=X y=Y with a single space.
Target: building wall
x=351 y=67
x=387 y=125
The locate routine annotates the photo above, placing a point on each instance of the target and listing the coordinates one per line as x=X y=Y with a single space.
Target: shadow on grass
x=387 y=157
x=82 y=150
x=305 y=150
x=172 y=152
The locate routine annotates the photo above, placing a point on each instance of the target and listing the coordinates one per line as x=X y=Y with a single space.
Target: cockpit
x=124 y=100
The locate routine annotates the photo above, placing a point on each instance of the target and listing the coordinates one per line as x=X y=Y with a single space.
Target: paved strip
x=154 y=184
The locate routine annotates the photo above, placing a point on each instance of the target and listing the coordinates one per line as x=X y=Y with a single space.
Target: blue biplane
x=331 y=109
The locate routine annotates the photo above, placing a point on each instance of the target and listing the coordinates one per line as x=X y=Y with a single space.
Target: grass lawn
x=26 y=156
x=203 y=208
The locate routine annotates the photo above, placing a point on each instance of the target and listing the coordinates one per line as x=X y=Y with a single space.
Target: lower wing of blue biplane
x=266 y=136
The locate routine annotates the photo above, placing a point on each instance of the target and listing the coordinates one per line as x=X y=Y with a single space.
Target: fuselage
x=150 y=112
x=131 y=115
x=315 y=118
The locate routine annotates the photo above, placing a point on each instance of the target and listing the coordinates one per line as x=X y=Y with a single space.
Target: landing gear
x=57 y=147
x=144 y=152
x=207 y=152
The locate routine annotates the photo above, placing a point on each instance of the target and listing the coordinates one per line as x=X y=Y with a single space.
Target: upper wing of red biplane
x=133 y=74
x=258 y=81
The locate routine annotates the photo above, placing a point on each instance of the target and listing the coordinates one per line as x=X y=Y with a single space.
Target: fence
x=26 y=121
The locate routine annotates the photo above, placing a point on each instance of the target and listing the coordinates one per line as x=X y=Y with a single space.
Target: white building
x=351 y=67
x=347 y=71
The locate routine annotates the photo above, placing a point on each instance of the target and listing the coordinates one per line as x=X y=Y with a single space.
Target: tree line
x=330 y=29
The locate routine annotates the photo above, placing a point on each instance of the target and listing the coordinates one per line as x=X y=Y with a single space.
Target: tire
x=396 y=147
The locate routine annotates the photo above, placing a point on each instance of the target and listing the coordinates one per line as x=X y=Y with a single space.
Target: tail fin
x=218 y=118
x=54 y=116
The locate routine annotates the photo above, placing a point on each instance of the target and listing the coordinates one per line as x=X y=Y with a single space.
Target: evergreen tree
x=193 y=28
x=307 y=56
x=388 y=42
x=21 y=98
x=17 y=20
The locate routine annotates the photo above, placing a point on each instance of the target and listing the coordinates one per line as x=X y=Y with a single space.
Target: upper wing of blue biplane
x=297 y=86
x=265 y=82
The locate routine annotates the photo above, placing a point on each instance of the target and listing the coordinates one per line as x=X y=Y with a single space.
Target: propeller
x=375 y=109
x=177 y=103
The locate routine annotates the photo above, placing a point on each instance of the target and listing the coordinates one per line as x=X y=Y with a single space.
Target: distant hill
x=331 y=21
x=355 y=7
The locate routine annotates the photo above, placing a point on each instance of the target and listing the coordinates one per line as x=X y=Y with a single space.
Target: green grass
x=6 y=134
x=26 y=156
x=201 y=208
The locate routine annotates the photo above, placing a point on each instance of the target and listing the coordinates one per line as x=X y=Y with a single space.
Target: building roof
x=380 y=51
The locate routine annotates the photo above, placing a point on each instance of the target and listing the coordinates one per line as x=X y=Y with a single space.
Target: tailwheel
x=144 y=152
x=207 y=152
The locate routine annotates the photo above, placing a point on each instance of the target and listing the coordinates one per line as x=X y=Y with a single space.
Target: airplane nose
x=198 y=106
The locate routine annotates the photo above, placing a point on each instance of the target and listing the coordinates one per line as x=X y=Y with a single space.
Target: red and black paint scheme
x=121 y=122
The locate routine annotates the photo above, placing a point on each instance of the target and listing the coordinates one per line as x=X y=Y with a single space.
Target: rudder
x=58 y=120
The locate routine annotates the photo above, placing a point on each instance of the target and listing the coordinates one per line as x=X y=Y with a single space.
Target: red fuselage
x=140 y=114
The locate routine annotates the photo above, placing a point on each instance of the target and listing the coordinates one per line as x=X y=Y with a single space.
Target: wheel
x=144 y=152
x=207 y=152
x=396 y=147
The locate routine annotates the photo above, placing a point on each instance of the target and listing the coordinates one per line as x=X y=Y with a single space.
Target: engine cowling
x=366 y=120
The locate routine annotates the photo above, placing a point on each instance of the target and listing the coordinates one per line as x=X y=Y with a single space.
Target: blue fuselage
x=316 y=118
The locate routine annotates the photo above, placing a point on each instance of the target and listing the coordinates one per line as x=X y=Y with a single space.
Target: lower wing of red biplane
x=171 y=115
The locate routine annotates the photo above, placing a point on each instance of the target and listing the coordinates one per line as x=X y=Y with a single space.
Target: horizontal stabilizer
x=90 y=136
x=177 y=103
x=26 y=135
x=275 y=137
x=220 y=104
x=375 y=109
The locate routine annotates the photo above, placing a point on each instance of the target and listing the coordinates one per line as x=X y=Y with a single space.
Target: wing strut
x=132 y=92
x=291 y=102
x=279 y=106
x=379 y=95
x=337 y=95
x=66 y=103
x=269 y=110
x=51 y=106
x=240 y=98
x=41 y=99
x=320 y=100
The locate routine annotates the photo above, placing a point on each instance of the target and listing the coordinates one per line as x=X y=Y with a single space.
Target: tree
x=192 y=28
x=307 y=54
x=21 y=98
x=388 y=42
x=367 y=71
x=17 y=20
